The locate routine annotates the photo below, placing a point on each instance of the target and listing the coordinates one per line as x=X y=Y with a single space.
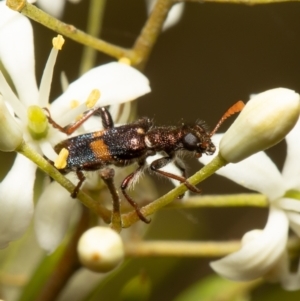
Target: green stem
x=131 y=217
x=141 y=49
x=67 y=30
x=45 y=166
x=181 y=249
x=191 y=248
x=94 y=26
x=230 y=200
x=150 y=32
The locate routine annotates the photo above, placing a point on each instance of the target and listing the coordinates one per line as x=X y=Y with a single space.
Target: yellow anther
x=93 y=98
x=79 y=117
x=74 y=103
x=58 y=42
x=61 y=160
x=125 y=60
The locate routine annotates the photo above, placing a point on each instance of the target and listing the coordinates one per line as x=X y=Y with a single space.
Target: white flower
x=117 y=83
x=16 y=53
x=263 y=252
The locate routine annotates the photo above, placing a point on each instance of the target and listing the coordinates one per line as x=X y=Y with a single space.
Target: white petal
x=10 y=132
x=116 y=82
x=288 y=204
x=52 y=216
x=6 y=14
x=17 y=54
x=9 y=96
x=16 y=200
x=279 y=270
x=257 y=172
x=294 y=219
x=289 y=281
x=46 y=81
x=174 y=14
x=47 y=150
x=52 y=7
x=291 y=169
x=258 y=256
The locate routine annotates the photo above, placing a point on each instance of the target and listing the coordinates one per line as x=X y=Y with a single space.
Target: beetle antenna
x=236 y=108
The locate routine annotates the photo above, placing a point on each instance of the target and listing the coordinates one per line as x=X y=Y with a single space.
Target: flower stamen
x=58 y=42
x=93 y=98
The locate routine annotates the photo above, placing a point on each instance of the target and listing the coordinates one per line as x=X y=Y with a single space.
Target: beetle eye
x=190 y=140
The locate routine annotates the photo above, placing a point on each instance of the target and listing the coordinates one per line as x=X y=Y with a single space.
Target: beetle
x=134 y=143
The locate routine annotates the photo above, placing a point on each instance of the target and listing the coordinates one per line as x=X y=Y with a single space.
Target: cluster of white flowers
x=267 y=118
x=22 y=118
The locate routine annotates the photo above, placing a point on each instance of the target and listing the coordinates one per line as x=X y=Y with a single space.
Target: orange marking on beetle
x=100 y=150
x=140 y=131
x=98 y=133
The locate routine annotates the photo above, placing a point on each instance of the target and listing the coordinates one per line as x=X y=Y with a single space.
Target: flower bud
x=265 y=121
x=10 y=132
x=100 y=249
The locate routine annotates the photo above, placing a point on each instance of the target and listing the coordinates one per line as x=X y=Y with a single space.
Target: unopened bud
x=266 y=120
x=100 y=249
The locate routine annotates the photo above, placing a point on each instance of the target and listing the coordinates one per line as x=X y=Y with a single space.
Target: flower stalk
x=181 y=249
x=230 y=200
x=155 y=248
x=36 y=14
x=139 y=53
x=129 y=218
x=149 y=34
x=94 y=26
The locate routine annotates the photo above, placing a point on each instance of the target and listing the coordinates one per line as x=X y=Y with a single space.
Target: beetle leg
x=181 y=166
x=81 y=178
x=107 y=121
x=107 y=175
x=126 y=182
x=160 y=163
x=71 y=128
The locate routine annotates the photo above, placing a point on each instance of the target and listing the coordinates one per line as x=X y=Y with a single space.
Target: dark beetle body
x=130 y=143
x=134 y=142
x=118 y=146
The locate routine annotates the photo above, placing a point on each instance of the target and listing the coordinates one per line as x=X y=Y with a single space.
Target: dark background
x=216 y=55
